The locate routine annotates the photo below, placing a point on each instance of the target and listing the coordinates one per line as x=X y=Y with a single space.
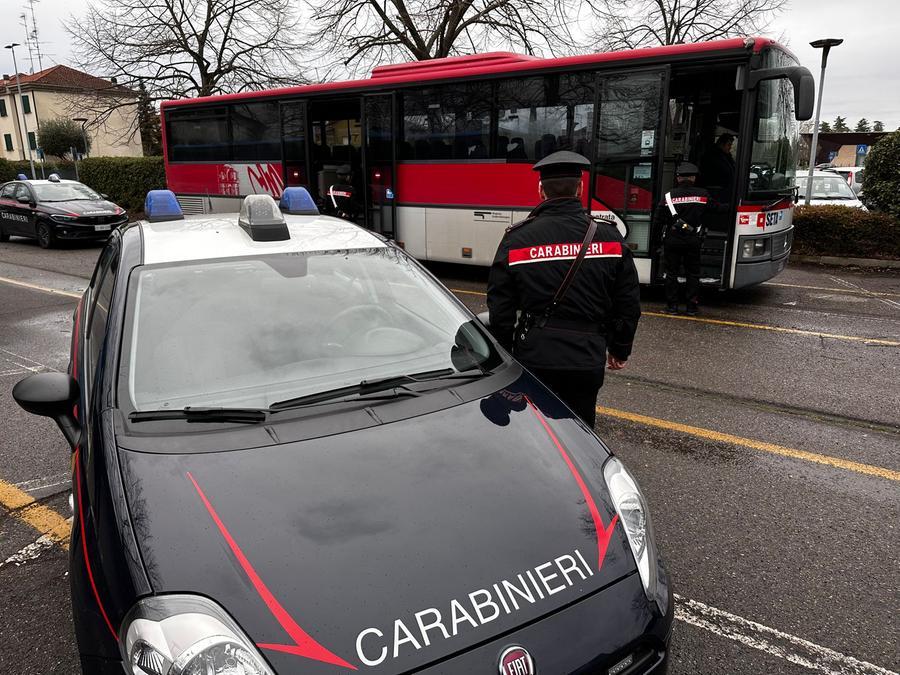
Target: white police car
x=295 y=451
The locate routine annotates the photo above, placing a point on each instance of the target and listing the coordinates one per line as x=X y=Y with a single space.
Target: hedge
x=845 y=231
x=125 y=179
x=10 y=169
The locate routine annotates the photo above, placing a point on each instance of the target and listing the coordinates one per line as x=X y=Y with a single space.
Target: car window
x=22 y=189
x=99 y=309
x=8 y=191
x=254 y=331
x=64 y=192
x=827 y=187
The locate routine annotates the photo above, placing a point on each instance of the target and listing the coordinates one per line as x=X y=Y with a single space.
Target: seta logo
x=516 y=661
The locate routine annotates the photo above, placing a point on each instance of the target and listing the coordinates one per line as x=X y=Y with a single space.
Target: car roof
x=819 y=174
x=47 y=182
x=206 y=237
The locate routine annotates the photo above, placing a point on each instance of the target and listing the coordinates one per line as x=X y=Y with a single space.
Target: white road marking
x=30 y=552
x=44 y=483
x=772 y=641
x=893 y=304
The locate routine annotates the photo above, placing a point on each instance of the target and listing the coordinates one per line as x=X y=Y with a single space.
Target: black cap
x=687 y=169
x=562 y=164
x=343 y=170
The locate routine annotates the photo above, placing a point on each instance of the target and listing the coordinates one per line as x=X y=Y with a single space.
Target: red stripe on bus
x=603 y=533
x=304 y=645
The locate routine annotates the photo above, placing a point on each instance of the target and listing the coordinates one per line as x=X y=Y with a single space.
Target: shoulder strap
x=331 y=194
x=570 y=275
x=671 y=205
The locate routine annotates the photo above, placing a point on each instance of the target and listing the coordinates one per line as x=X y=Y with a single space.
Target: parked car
x=54 y=209
x=295 y=451
x=828 y=188
x=853 y=175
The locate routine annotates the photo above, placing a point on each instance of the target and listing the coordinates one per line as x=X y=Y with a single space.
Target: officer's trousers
x=578 y=389
x=678 y=251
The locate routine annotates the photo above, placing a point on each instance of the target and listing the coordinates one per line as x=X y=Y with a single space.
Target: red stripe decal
x=564 y=251
x=87 y=562
x=304 y=645
x=603 y=533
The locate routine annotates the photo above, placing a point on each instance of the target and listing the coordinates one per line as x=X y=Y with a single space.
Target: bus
x=441 y=151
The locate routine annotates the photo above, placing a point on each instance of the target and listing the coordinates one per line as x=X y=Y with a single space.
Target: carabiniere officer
x=557 y=314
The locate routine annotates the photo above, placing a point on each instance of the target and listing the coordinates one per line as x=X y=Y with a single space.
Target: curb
x=846 y=262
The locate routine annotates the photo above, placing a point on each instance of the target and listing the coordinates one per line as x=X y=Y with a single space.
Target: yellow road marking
x=45 y=520
x=772 y=448
x=756 y=326
x=880 y=294
x=35 y=287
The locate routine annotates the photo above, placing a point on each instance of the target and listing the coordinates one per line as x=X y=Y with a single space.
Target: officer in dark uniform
x=682 y=213
x=564 y=343
x=341 y=198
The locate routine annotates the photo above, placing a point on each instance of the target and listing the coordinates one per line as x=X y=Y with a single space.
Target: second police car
x=296 y=452
x=55 y=209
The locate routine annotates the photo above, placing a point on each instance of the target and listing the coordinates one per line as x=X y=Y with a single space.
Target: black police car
x=55 y=209
x=296 y=452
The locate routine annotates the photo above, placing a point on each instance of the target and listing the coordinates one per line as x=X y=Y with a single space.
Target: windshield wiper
x=397 y=383
x=202 y=414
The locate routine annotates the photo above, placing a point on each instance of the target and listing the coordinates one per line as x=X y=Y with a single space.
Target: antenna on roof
x=23 y=19
x=34 y=36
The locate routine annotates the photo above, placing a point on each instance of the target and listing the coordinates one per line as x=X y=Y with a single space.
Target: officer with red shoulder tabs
x=341 y=198
x=563 y=292
x=682 y=212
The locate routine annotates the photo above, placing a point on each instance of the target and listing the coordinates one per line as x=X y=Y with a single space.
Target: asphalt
x=804 y=543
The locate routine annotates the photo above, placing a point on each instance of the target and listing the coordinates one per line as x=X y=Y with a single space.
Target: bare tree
x=358 y=33
x=630 y=24
x=179 y=48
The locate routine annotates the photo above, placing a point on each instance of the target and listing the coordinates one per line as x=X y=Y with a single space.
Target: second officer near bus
x=563 y=290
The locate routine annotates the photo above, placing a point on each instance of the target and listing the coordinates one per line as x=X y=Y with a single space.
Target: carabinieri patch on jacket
x=568 y=251
x=690 y=199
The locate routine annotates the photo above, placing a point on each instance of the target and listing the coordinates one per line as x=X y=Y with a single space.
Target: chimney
x=114 y=80
x=5 y=76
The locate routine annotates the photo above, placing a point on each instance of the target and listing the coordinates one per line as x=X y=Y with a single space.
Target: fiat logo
x=516 y=661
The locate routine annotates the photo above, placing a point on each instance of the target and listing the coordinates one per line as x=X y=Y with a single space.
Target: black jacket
x=602 y=306
x=692 y=205
x=340 y=199
x=717 y=172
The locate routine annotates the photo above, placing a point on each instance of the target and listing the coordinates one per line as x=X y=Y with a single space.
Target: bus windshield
x=776 y=136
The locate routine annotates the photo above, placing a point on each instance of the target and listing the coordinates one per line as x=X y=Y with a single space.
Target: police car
x=55 y=209
x=294 y=451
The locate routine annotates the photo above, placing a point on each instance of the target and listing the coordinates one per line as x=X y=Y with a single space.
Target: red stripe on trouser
x=304 y=644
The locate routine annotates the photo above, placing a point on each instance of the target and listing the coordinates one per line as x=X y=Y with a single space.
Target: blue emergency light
x=21 y=176
x=298 y=202
x=161 y=205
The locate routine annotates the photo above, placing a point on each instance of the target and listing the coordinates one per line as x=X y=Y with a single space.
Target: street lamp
x=825 y=45
x=12 y=47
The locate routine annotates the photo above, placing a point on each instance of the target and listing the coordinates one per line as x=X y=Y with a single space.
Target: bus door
x=627 y=157
x=379 y=115
x=293 y=143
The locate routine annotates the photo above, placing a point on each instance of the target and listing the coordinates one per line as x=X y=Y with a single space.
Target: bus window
x=293 y=131
x=198 y=135
x=447 y=122
x=254 y=131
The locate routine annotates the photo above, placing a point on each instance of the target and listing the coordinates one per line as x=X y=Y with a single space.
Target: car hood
x=392 y=547
x=82 y=207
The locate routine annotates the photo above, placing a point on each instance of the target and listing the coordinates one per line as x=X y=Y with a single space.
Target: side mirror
x=51 y=395
x=485 y=319
x=104 y=195
x=23 y=199
x=804 y=95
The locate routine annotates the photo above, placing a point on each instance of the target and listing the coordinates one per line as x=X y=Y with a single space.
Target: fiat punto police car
x=296 y=452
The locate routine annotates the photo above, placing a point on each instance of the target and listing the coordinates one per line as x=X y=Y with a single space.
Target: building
x=841 y=148
x=61 y=91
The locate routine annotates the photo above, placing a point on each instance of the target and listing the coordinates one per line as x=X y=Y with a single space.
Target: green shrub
x=882 y=187
x=126 y=180
x=845 y=231
x=10 y=169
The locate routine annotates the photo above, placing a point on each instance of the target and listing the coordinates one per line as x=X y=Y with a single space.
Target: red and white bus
x=441 y=151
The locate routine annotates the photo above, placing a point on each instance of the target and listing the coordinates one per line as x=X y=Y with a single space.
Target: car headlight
x=186 y=635
x=635 y=517
x=60 y=218
x=754 y=248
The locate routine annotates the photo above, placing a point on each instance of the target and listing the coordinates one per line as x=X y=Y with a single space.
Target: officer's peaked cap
x=687 y=169
x=562 y=164
x=343 y=169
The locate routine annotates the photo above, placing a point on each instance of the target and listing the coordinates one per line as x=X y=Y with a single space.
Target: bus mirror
x=804 y=95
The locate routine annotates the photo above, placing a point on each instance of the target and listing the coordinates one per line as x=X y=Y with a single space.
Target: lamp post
x=825 y=45
x=12 y=47
x=83 y=121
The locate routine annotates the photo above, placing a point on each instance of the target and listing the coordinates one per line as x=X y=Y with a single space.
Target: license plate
x=102 y=228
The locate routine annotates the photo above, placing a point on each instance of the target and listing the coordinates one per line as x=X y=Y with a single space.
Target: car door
x=24 y=211
x=7 y=204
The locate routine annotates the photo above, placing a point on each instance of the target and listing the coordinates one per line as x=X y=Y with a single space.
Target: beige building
x=61 y=91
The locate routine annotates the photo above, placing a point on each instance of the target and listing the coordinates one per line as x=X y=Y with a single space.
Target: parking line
x=858 y=290
x=718 y=436
x=35 y=287
x=775 y=642
x=742 y=324
x=45 y=520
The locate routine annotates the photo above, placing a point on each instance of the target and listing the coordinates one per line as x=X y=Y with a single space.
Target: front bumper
x=615 y=628
x=752 y=273
x=82 y=231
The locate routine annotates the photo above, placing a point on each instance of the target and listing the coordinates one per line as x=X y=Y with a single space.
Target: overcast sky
x=863 y=77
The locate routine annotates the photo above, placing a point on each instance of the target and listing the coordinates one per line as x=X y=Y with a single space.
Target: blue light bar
x=161 y=205
x=21 y=176
x=298 y=202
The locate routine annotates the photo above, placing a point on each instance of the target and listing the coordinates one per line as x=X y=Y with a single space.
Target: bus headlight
x=635 y=517
x=757 y=247
x=186 y=635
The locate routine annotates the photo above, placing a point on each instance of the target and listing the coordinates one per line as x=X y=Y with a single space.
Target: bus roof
x=493 y=63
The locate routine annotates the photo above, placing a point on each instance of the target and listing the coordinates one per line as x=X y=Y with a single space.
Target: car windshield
x=826 y=187
x=251 y=332
x=63 y=192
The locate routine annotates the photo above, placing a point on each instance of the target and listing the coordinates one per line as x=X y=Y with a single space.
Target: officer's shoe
x=671 y=309
x=692 y=309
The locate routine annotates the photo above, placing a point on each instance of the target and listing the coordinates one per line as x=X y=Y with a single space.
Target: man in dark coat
x=565 y=347
x=717 y=169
